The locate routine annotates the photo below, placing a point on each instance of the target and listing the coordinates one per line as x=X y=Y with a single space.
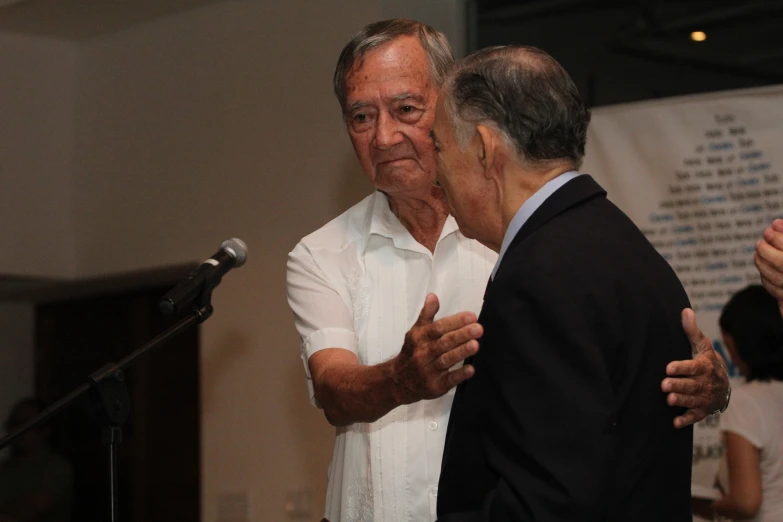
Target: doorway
x=158 y=460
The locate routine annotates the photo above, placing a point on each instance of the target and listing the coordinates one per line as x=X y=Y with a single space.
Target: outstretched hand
x=422 y=370
x=700 y=384
x=769 y=260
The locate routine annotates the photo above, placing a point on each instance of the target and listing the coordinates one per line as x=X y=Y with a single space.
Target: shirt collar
x=383 y=222
x=527 y=209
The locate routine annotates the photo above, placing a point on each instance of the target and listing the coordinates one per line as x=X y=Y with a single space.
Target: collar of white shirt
x=383 y=222
x=527 y=209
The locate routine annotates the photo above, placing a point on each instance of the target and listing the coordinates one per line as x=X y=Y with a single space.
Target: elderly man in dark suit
x=564 y=418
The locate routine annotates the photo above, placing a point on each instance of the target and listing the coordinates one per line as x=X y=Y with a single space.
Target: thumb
x=428 y=311
x=695 y=336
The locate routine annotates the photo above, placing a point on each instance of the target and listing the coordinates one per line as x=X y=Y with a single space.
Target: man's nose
x=387 y=132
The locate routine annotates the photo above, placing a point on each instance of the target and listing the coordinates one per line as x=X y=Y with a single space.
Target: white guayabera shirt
x=359 y=283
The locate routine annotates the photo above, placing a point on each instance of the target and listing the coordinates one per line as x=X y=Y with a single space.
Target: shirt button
x=433 y=425
x=434 y=492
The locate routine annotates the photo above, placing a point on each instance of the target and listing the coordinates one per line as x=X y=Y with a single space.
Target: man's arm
x=700 y=384
x=744 y=497
x=769 y=260
x=349 y=391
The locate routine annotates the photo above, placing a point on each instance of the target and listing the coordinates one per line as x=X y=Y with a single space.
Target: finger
x=455 y=338
x=688 y=418
x=769 y=285
x=687 y=368
x=771 y=278
x=770 y=253
x=686 y=401
x=458 y=354
x=445 y=325
x=681 y=385
x=774 y=234
x=774 y=290
x=428 y=311
x=698 y=340
x=767 y=267
x=454 y=377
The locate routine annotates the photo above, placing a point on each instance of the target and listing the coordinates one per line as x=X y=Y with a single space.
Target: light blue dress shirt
x=527 y=209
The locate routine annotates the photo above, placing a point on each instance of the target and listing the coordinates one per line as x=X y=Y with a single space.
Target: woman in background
x=752 y=427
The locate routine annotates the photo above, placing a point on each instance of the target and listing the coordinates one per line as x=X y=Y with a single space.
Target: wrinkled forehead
x=400 y=61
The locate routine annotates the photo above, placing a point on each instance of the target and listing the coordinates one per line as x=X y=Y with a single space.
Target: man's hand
x=769 y=260
x=700 y=384
x=422 y=370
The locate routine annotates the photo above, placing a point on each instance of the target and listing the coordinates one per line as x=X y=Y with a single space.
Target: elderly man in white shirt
x=385 y=296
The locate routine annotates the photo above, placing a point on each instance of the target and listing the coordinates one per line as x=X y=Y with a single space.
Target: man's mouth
x=388 y=161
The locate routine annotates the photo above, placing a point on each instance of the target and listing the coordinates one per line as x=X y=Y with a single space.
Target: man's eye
x=361 y=121
x=406 y=108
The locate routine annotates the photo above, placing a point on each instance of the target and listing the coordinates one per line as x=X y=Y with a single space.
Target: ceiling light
x=698 y=36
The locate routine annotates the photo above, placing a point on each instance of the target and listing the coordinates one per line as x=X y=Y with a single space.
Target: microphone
x=232 y=254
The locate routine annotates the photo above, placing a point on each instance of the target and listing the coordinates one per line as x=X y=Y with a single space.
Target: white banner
x=700 y=175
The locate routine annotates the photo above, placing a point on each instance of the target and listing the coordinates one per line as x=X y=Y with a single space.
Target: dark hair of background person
x=753 y=319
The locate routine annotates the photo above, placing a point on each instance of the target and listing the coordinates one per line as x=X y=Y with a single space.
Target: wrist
x=726 y=404
x=392 y=372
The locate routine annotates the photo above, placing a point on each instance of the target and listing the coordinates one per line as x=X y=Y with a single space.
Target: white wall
x=36 y=117
x=215 y=123
x=17 y=339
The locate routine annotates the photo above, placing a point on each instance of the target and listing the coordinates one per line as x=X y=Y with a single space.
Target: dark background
x=623 y=51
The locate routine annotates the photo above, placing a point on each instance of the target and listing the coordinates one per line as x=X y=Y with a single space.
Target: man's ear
x=488 y=148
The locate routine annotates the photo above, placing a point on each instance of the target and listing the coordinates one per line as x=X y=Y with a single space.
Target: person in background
x=752 y=426
x=36 y=484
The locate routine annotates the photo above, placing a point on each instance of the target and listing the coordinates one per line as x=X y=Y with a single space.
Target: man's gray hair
x=525 y=94
x=375 y=34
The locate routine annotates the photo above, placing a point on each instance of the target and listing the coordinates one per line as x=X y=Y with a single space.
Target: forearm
x=733 y=508
x=357 y=393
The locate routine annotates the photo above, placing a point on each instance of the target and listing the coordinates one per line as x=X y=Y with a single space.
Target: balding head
x=524 y=93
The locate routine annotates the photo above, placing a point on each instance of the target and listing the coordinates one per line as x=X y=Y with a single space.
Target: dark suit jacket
x=564 y=418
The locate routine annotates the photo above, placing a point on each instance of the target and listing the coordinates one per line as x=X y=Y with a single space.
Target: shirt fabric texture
x=359 y=283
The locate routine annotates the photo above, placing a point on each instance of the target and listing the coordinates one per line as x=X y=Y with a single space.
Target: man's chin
x=462 y=229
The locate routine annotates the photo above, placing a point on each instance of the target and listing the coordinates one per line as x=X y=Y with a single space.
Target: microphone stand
x=108 y=390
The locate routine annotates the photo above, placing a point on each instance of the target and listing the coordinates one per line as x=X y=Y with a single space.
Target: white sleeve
x=744 y=417
x=321 y=316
